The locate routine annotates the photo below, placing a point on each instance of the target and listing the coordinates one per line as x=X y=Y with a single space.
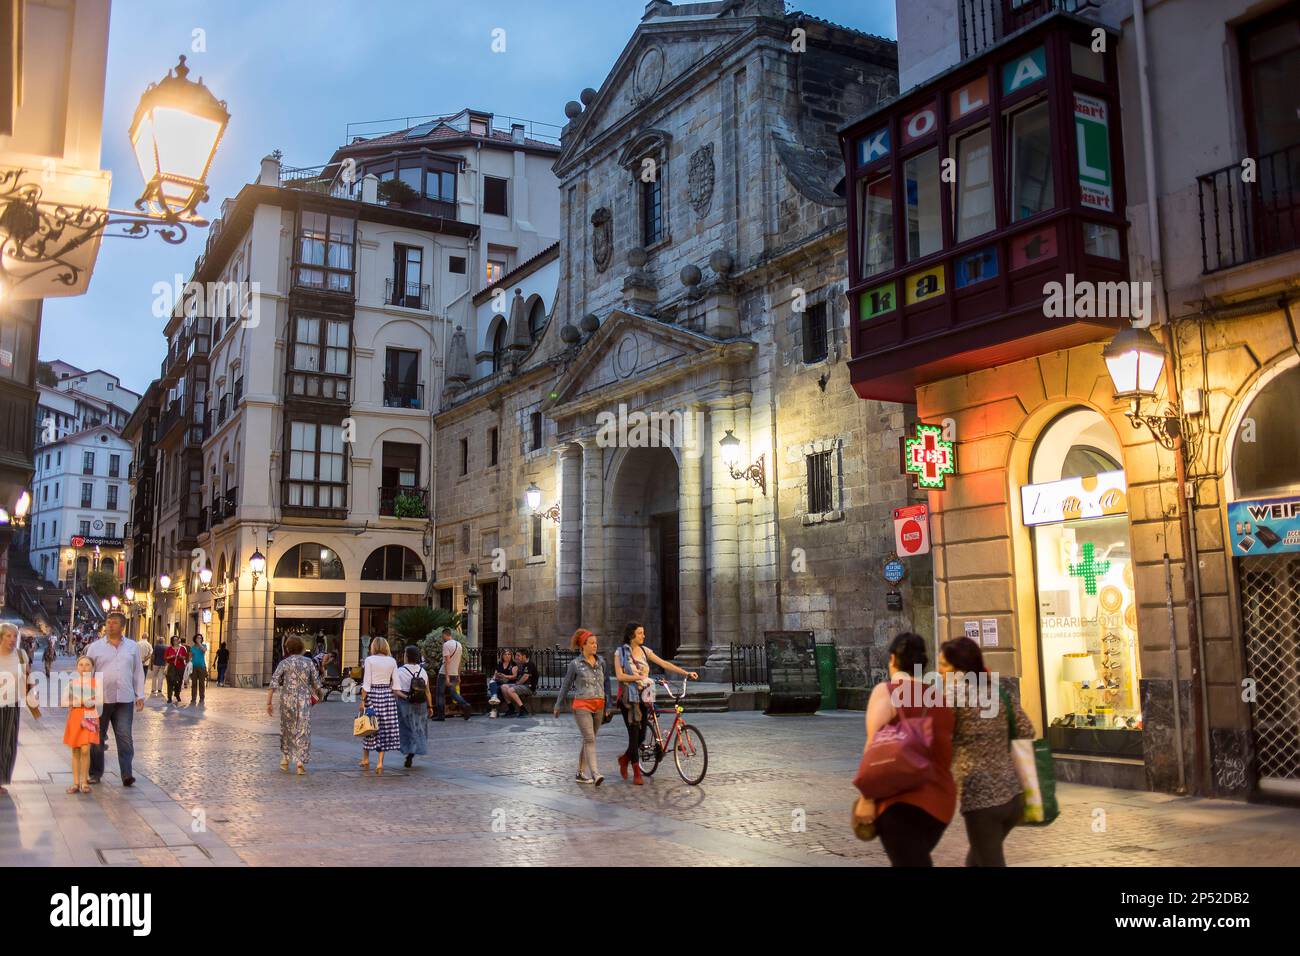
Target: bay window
x=321 y=358
x=921 y=203
x=876 y=225
x=316 y=466
x=324 y=251
x=1032 y=189
x=974 y=188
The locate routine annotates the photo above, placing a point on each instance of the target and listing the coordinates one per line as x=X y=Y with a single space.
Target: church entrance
x=642 y=541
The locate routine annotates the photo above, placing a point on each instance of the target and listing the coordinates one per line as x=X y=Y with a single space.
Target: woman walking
x=636 y=693
x=991 y=798
x=414 y=705
x=911 y=823
x=81 y=731
x=300 y=687
x=591 y=689
x=377 y=695
x=15 y=669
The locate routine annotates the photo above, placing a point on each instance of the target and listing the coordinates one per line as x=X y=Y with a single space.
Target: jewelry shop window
x=1076 y=507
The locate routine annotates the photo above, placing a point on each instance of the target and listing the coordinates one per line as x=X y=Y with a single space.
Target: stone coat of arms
x=700 y=180
x=602 y=238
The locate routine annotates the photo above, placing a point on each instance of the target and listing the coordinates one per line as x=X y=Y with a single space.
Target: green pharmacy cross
x=1090 y=569
x=929 y=456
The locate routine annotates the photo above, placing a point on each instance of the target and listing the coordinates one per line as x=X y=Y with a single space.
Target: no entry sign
x=912 y=531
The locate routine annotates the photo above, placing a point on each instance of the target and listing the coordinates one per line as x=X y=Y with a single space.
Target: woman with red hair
x=588 y=677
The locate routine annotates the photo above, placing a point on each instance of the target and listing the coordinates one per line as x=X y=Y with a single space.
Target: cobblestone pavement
x=501 y=792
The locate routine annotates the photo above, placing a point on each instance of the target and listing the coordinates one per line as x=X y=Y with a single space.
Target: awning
x=318 y=611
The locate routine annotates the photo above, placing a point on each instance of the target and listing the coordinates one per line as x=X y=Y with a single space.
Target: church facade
x=679 y=446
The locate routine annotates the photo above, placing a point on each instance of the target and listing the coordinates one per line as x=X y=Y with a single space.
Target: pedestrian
x=911 y=823
x=146 y=655
x=414 y=704
x=300 y=688
x=377 y=695
x=223 y=661
x=48 y=656
x=117 y=660
x=177 y=658
x=507 y=672
x=198 y=671
x=991 y=797
x=15 y=673
x=524 y=686
x=636 y=693
x=449 y=676
x=591 y=686
x=157 y=667
x=81 y=732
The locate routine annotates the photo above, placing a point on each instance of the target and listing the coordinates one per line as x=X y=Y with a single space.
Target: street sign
x=78 y=541
x=894 y=570
x=912 y=531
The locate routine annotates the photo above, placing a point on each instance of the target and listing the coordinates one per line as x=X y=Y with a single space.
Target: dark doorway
x=669 y=567
x=488 y=631
x=374 y=623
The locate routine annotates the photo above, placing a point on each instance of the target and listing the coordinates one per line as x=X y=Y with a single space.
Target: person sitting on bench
x=524 y=687
x=507 y=672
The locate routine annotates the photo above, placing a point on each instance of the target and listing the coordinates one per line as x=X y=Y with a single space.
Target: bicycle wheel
x=691 y=755
x=650 y=754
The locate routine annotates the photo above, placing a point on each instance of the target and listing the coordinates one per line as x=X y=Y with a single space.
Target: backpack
x=419 y=692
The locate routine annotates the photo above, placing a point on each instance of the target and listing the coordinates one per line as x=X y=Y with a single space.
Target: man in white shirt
x=117 y=665
x=449 y=676
x=146 y=653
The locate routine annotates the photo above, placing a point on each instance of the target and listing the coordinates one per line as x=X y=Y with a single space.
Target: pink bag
x=898 y=759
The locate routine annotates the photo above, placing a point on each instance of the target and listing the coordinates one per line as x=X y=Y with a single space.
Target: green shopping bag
x=1034 y=768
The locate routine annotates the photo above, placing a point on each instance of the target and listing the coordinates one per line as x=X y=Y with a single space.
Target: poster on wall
x=1264 y=526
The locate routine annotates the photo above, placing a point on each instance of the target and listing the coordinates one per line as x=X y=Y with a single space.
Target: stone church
x=681 y=446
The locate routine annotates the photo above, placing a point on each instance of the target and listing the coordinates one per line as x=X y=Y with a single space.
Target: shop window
x=974 y=194
x=1087 y=609
x=876 y=225
x=393 y=563
x=924 y=233
x=1266 y=448
x=1032 y=189
x=310 y=561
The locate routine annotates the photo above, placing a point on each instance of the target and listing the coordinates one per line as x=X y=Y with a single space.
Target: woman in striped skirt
x=13 y=693
x=377 y=695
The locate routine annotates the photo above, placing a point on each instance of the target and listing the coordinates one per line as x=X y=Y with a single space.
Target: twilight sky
x=293 y=74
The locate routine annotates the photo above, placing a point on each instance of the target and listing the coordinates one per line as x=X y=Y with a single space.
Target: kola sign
x=912 y=531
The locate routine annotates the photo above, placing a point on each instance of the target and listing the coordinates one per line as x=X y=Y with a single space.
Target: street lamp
x=533 y=498
x=23 y=505
x=105 y=605
x=256 y=566
x=1134 y=359
x=114 y=602
x=165 y=581
x=757 y=472
x=205 y=576
x=130 y=595
x=177 y=126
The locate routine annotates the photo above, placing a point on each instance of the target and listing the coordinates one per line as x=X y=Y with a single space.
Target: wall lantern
x=256 y=566
x=1134 y=359
x=165 y=581
x=503 y=582
x=205 y=576
x=757 y=472
x=533 y=498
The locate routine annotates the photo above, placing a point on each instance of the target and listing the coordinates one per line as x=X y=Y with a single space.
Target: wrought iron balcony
x=986 y=22
x=414 y=502
x=403 y=394
x=1244 y=221
x=409 y=295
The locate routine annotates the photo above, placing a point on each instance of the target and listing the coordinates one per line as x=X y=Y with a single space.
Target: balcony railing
x=984 y=23
x=1244 y=221
x=409 y=295
x=403 y=394
x=415 y=501
x=322 y=180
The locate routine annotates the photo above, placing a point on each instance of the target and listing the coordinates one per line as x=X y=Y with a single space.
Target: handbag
x=365 y=724
x=1035 y=771
x=90 y=723
x=898 y=759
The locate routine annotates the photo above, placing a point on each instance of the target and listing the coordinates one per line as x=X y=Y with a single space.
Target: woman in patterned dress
x=377 y=695
x=300 y=687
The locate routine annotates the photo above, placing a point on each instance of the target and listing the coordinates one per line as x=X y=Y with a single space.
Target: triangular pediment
x=628 y=353
x=661 y=55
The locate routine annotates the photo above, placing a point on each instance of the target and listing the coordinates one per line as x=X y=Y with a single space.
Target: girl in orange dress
x=81 y=697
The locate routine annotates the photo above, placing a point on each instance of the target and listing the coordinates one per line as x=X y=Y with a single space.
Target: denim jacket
x=588 y=682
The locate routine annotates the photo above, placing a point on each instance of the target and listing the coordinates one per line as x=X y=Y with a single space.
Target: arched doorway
x=1263 y=492
x=1077 y=511
x=642 y=542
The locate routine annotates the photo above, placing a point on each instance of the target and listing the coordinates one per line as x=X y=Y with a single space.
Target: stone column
x=568 y=576
x=724 y=540
x=693 y=604
x=593 y=537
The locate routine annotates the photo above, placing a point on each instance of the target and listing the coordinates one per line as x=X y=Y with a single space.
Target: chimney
x=270 y=174
x=517 y=133
x=370 y=188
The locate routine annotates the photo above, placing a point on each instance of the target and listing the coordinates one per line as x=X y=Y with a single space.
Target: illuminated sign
x=1072 y=499
x=929 y=456
x=924 y=285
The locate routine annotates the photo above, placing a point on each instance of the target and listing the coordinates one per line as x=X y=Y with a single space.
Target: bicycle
x=686 y=742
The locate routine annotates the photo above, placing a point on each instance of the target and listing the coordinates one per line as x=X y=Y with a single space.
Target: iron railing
x=748 y=665
x=408 y=295
x=403 y=394
x=1243 y=221
x=388 y=495
x=984 y=23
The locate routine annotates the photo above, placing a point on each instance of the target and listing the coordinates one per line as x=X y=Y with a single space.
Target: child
x=82 y=728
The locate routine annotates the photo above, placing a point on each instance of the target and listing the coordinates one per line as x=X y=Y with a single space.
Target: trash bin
x=827 y=675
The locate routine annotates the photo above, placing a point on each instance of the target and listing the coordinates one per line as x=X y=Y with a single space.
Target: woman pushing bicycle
x=636 y=692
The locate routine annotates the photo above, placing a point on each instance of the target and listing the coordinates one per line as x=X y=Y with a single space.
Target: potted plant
x=407 y=505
